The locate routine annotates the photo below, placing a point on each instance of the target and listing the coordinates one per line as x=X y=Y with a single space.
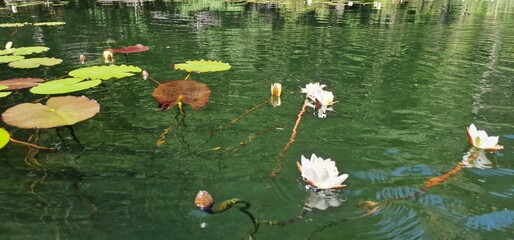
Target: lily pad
x=10 y=58
x=29 y=50
x=4 y=137
x=35 y=62
x=13 y=24
x=202 y=66
x=64 y=86
x=131 y=49
x=48 y=23
x=4 y=94
x=21 y=83
x=105 y=72
x=193 y=93
x=58 y=111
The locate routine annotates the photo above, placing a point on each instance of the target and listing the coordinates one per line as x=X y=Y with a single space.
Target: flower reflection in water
x=322 y=200
x=480 y=161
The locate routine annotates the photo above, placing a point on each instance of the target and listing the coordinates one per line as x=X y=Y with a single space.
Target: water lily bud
x=8 y=45
x=145 y=74
x=276 y=89
x=203 y=200
x=275 y=101
x=108 y=56
x=82 y=59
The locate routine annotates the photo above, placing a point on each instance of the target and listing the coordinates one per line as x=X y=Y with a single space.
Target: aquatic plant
x=35 y=62
x=58 y=111
x=66 y=85
x=190 y=92
x=4 y=137
x=480 y=139
x=130 y=49
x=321 y=173
x=105 y=72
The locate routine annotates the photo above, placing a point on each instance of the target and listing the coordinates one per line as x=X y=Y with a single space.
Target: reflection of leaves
x=58 y=111
x=21 y=83
x=194 y=93
x=131 y=49
x=13 y=24
x=105 y=72
x=4 y=137
x=65 y=86
x=8 y=59
x=35 y=62
x=202 y=66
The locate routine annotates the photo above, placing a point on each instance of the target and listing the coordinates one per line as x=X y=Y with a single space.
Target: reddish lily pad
x=21 y=83
x=58 y=111
x=4 y=137
x=193 y=93
x=131 y=49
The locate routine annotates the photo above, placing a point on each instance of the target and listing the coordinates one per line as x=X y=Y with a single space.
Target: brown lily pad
x=131 y=49
x=190 y=92
x=21 y=83
x=58 y=111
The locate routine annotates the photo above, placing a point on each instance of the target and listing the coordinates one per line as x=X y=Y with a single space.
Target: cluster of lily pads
x=68 y=110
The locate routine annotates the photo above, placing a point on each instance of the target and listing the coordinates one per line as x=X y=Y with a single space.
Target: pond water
x=409 y=79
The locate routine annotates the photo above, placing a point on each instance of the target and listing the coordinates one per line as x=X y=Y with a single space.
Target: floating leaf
x=29 y=50
x=130 y=49
x=13 y=24
x=202 y=66
x=35 y=62
x=48 y=24
x=191 y=92
x=4 y=94
x=8 y=59
x=105 y=72
x=31 y=24
x=4 y=137
x=64 y=86
x=21 y=83
x=58 y=111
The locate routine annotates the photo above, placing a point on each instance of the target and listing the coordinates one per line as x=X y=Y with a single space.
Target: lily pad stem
x=29 y=144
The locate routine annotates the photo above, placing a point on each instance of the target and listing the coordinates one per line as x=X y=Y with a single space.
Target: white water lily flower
x=323 y=101
x=312 y=89
x=321 y=174
x=480 y=139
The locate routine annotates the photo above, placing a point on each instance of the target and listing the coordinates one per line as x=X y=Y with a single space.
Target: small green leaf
x=64 y=86
x=4 y=94
x=105 y=72
x=202 y=66
x=10 y=58
x=35 y=62
x=4 y=137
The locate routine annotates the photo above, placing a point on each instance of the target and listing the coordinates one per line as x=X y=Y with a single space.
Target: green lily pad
x=4 y=94
x=35 y=62
x=48 y=23
x=4 y=137
x=21 y=83
x=105 y=72
x=58 y=111
x=10 y=58
x=29 y=50
x=13 y=24
x=6 y=51
x=65 y=86
x=200 y=66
